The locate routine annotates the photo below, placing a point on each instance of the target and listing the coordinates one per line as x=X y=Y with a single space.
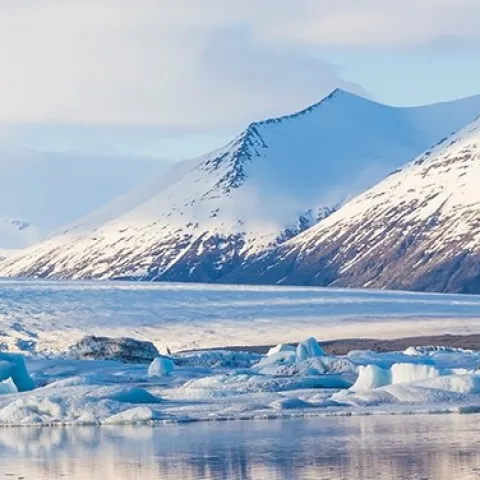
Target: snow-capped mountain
x=16 y=234
x=419 y=229
x=279 y=177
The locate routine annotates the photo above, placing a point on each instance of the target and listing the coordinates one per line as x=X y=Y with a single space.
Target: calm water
x=441 y=447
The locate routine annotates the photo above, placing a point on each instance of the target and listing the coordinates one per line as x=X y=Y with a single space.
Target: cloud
x=377 y=23
x=195 y=65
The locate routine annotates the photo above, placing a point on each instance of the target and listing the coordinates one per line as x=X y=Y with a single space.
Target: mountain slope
x=419 y=229
x=210 y=215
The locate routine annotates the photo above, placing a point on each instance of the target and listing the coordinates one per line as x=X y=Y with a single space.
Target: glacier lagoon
x=293 y=413
x=391 y=448
x=42 y=318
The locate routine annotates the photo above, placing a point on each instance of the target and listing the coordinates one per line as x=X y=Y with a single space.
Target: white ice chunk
x=429 y=350
x=276 y=359
x=7 y=386
x=281 y=347
x=160 y=367
x=217 y=359
x=127 y=395
x=372 y=376
x=407 y=372
x=289 y=403
x=12 y=365
x=122 y=349
x=307 y=349
x=133 y=415
x=285 y=363
x=462 y=384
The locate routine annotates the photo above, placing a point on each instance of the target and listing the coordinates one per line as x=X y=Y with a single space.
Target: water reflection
x=386 y=447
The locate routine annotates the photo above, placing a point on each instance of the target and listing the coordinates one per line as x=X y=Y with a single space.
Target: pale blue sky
x=413 y=76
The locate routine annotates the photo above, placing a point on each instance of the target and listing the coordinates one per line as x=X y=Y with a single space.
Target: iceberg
x=160 y=367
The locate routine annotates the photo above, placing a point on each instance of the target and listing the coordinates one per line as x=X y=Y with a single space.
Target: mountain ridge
x=419 y=229
x=279 y=177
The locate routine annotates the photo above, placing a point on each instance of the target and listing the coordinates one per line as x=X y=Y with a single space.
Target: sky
x=171 y=79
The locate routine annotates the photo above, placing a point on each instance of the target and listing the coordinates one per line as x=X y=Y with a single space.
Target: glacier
x=47 y=317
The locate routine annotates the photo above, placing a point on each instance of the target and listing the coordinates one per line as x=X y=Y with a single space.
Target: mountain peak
x=338 y=93
x=254 y=140
x=213 y=214
x=418 y=229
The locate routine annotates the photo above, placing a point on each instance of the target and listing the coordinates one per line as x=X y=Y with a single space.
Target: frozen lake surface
x=48 y=316
x=440 y=447
x=42 y=319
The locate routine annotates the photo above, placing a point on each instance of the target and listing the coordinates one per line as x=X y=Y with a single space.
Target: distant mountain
x=16 y=234
x=51 y=189
x=419 y=229
x=211 y=215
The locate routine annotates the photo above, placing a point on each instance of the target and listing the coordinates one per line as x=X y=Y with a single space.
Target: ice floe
x=219 y=385
x=160 y=367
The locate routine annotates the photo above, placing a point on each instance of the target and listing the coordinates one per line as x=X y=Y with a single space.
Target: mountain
x=419 y=229
x=210 y=215
x=16 y=234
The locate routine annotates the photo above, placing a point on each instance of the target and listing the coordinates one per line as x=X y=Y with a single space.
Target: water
x=426 y=447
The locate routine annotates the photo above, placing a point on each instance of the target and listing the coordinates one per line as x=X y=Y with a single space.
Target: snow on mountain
x=16 y=234
x=419 y=229
x=276 y=179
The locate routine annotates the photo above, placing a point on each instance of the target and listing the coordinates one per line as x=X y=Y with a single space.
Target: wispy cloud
x=196 y=65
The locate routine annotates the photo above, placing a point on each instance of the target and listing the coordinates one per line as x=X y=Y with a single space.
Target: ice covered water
x=442 y=447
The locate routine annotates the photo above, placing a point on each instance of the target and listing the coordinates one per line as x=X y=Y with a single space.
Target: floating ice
x=405 y=373
x=219 y=385
x=132 y=416
x=127 y=394
x=289 y=403
x=372 y=376
x=160 y=367
x=122 y=349
x=217 y=359
x=12 y=365
x=7 y=386
x=280 y=358
x=285 y=363
x=307 y=359
x=281 y=347
x=308 y=348
x=432 y=349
